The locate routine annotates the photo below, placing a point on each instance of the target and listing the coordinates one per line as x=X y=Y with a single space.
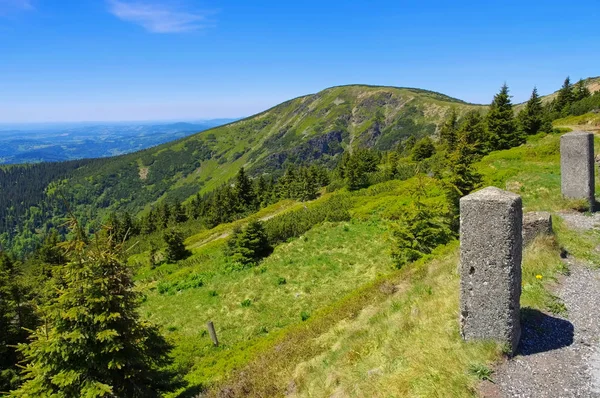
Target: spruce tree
x=420 y=229
x=580 y=91
x=474 y=133
x=564 y=97
x=10 y=324
x=175 y=250
x=249 y=246
x=423 y=149
x=460 y=180
x=448 y=133
x=501 y=124
x=178 y=214
x=244 y=190
x=92 y=342
x=531 y=117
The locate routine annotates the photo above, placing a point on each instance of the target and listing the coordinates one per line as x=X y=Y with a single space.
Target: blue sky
x=105 y=60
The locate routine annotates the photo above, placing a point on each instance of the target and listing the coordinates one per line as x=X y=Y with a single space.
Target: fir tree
x=420 y=229
x=564 y=97
x=461 y=180
x=501 y=123
x=580 y=91
x=308 y=185
x=92 y=342
x=11 y=332
x=244 y=190
x=178 y=214
x=473 y=132
x=164 y=215
x=531 y=117
x=448 y=131
x=249 y=246
x=424 y=149
x=49 y=252
x=175 y=250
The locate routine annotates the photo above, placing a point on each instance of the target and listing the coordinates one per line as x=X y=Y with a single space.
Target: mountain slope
x=316 y=127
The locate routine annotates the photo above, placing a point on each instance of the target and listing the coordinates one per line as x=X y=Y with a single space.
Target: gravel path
x=558 y=356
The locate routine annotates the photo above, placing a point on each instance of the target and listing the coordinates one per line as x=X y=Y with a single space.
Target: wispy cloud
x=8 y=6
x=158 y=17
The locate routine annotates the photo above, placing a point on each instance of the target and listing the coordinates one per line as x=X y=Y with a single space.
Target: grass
x=247 y=305
x=327 y=314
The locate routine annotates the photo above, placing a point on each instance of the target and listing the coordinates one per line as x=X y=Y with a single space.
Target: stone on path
x=491 y=239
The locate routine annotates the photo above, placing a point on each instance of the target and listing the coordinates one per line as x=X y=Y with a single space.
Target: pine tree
x=501 y=123
x=178 y=214
x=249 y=246
x=92 y=342
x=164 y=215
x=564 y=97
x=580 y=91
x=308 y=185
x=473 y=132
x=448 y=131
x=531 y=117
x=461 y=180
x=11 y=332
x=244 y=190
x=423 y=149
x=175 y=250
x=420 y=229
x=49 y=252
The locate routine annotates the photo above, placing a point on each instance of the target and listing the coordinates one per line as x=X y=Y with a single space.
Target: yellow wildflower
x=538 y=276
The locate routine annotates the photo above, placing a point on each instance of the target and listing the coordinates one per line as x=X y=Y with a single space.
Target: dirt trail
x=559 y=356
x=226 y=234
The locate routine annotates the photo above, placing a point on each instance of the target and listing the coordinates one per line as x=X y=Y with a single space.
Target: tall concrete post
x=577 y=166
x=491 y=245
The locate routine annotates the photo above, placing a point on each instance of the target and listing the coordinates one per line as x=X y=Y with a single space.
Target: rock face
x=491 y=245
x=577 y=165
x=536 y=223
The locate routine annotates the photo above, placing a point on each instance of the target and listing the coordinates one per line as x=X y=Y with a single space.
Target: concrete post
x=213 y=333
x=577 y=166
x=491 y=244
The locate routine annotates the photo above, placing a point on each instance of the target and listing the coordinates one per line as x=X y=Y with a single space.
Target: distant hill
x=312 y=128
x=54 y=143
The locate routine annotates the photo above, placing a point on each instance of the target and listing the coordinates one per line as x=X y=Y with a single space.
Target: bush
x=246 y=303
x=296 y=223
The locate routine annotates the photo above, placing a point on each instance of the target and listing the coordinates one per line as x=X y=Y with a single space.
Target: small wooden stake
x=213 y=333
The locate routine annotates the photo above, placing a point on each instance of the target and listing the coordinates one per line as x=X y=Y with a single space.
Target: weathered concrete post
x=491 y=245
x=213 y=333
x=577 y=166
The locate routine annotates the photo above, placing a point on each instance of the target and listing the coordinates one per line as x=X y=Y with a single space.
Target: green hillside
x=327 y=313
x=309 y=129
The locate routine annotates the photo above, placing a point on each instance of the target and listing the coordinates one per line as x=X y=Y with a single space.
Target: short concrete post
x=491 y=245
x=213 y=333
x=577 y=166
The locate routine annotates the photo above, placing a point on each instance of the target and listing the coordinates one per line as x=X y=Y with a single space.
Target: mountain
x=54 y=143
x=312 y=128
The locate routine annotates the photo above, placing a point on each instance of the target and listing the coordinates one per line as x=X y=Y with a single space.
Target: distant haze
x=51 y=142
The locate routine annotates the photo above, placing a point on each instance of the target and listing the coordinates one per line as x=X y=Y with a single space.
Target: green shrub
x=295 y=223
x=246 y=303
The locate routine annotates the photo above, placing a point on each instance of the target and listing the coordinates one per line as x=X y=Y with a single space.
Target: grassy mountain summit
x=315 y=128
